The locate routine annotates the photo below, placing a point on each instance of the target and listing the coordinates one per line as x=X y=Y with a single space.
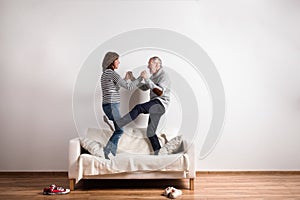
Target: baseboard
x=27 y=174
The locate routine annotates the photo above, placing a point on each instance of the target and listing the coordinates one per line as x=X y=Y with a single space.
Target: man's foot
x=164 y=137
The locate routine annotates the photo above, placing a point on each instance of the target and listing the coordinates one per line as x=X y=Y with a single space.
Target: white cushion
x=92 y=146
x=132 y=141
x=173 y=146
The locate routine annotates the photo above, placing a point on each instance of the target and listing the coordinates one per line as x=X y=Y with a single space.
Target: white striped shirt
x=111 y=82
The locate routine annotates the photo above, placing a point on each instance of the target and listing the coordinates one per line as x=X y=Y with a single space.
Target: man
x=159 y=86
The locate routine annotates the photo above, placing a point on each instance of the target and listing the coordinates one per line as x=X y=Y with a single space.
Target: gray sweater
x=161 y=81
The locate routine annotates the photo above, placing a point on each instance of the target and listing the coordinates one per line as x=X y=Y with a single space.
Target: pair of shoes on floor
x=172 y=192
x=53 y=189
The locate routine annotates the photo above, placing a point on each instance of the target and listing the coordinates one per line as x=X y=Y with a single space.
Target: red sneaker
x=53 y=189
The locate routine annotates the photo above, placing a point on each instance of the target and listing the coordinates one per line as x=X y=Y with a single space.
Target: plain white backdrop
x=254 y=44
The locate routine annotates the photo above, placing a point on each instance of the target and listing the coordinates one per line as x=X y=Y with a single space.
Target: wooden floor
x=258 y=185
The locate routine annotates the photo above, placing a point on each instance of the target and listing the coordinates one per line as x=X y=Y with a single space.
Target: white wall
x=255 y=46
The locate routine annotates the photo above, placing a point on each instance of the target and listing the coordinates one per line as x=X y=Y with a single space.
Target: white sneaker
x=168 y=190
x=174 y=193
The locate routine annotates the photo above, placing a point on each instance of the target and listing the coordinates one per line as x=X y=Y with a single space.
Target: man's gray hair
x=156 y=60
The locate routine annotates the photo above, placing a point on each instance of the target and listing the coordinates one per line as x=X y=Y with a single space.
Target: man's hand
x=144 y=74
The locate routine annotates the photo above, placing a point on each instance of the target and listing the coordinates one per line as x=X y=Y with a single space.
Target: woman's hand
x=129 y=76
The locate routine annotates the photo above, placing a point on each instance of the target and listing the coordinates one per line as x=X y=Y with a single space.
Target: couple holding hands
x=111 y=82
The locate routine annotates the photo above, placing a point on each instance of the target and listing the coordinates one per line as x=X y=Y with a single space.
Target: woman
x=111 y=82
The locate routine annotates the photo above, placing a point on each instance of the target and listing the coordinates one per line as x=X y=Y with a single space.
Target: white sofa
x=133 y=159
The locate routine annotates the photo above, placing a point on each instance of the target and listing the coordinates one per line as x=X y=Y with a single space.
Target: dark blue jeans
x=112 y=111
x=155 y=109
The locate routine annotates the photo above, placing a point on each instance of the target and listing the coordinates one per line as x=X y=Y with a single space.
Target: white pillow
x=92 y=146
x=99 y=135
x=173 y=146
x=134 y=141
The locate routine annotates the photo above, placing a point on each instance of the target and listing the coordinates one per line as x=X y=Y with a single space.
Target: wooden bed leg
x=191 y=184
x=72 y=184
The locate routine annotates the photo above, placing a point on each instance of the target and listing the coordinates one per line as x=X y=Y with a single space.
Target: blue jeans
x=155 y=109
x=112 y=111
